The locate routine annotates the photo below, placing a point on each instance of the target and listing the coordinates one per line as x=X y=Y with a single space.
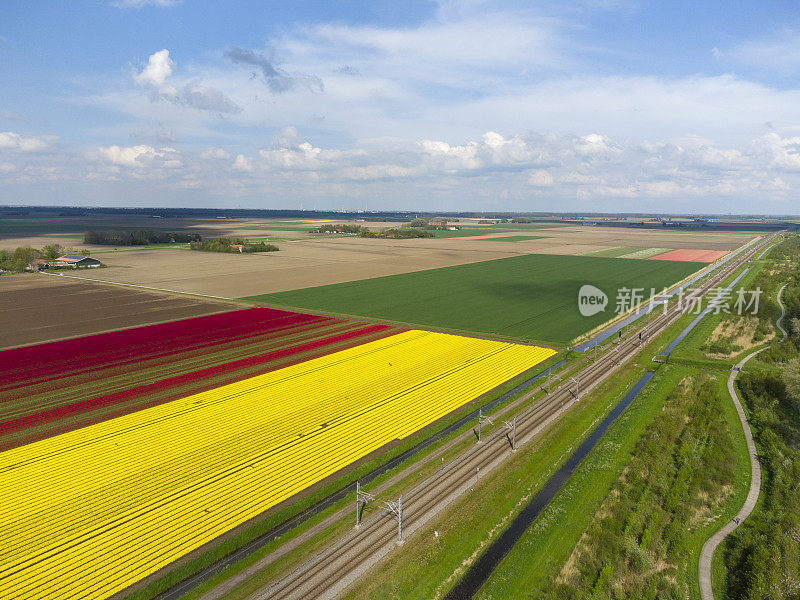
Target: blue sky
x=598 y=105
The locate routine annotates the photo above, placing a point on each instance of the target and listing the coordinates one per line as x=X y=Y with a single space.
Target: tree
x=23 y=258
x=791 y=379
x=794 y=329
x=53 y=251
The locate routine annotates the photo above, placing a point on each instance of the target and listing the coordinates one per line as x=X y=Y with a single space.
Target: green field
x=532 y=297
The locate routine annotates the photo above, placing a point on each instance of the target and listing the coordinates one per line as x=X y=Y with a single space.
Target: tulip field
x=96 y=508
x=51 y=388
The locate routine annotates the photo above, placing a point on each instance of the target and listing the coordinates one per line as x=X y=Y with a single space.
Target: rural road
x=707 y=553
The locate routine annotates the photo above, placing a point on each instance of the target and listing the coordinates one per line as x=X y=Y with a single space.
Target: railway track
x=328 y=573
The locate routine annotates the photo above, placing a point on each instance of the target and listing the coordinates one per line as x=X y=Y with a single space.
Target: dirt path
x=707 y=553
x=143 y=287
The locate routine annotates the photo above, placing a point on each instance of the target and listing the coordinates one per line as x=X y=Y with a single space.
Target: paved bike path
x=707 y=553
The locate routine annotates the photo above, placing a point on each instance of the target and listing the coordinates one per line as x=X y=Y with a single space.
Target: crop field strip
x=31 y=412
x=96 y=543
x=642 y=253
x=515 y=238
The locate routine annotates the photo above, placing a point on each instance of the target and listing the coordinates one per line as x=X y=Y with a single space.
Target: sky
x=590 y=105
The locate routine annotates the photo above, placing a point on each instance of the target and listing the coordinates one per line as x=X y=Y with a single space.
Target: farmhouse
x=76 y=262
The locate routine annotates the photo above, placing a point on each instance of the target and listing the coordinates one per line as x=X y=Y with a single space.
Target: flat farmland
x=307 y=261
x=130 y=495
x=582 y=240
x=532 y=297
x=37 y=308
x=299 y=264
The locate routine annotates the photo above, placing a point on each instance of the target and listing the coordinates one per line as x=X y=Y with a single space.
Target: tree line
x=232 y=245
x=137 y=237
x=366 y=232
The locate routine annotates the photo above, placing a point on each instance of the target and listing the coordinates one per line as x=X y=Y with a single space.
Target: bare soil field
x=299 y=264
x=691 y=255
x=36 y=308
x=313 y=261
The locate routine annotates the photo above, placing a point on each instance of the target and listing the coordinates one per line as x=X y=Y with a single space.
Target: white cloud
x=142 y=156
x=777 y=152
x=195 y=94
x=127 y=156
x=517 y=172
x=159 y=67
x=15 y=142
x=596 y=146
x=242 y=164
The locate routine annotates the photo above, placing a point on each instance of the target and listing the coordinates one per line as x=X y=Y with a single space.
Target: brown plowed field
x=689 y=255
x=36 y=308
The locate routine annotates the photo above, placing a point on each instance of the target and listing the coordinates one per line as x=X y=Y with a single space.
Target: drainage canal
x=482 y=568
